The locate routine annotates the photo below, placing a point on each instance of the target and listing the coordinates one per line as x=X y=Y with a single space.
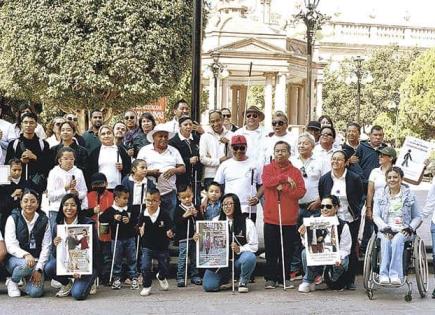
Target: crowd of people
x=142 y=185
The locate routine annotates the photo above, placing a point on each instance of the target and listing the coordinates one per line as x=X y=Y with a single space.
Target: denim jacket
x=411 y=214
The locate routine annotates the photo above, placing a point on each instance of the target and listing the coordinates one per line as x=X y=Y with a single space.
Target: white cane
x=247 y=90
x=27 y=171
x=232 y=263
x=98 y=230
x=252 y=189
x=187 y=252
x=140 y=215
x=114 y=252
x=282 y=240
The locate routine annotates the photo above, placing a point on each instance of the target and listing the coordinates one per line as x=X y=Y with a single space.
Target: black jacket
x=155 y=233
x=368 y=158
x=181 y=224
x=126 y=230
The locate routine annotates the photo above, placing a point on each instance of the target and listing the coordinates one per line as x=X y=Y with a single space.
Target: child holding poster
x=328 y=207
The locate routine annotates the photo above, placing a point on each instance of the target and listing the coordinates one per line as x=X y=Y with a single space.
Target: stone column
x=293 y=104
x=224 y=93
x=280 y=99
x=268 y=99
x=243 y=94
x=302 y=110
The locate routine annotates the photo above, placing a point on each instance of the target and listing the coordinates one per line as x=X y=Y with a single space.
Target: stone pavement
x=193 y=300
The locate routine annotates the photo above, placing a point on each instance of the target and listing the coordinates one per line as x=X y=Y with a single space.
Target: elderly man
x=164 y=164
x=283 y=187
x=253 y=133
x=241 y=175
x=214 y=146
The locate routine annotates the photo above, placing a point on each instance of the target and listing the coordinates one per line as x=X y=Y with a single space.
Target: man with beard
x=91 y=136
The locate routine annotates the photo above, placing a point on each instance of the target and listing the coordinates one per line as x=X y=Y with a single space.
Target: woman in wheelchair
x=397 y=216
x=335 y=274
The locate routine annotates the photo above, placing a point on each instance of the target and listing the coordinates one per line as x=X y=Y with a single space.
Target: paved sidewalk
x=193 y=300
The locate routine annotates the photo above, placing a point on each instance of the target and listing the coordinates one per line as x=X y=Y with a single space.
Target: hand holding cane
x=281 y=236
x=114 y=252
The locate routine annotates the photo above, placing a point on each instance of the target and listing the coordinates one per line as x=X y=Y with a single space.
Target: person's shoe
x=13 y=290
x=304 y=287
x=318 y=280
x=116 y=284
x=384 y=280
x=270 y=284
x=243 y=288
x=134 y=284
x=180 y=284
x=395 y=281
x=295 y=275
x=163 y=283
x=196 y=281
x=351 y=286
x=93 y=290
x=145 y=291
x=55 y=284
x=127 y=282
x=225 y=286
x=288 y=285
x=433 y=294
x=65 y=290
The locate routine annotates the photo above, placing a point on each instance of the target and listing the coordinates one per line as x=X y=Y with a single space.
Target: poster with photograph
x=321 y=241
x=212 y=250
x=74 y=252
x=5 y=173
x=411 y=158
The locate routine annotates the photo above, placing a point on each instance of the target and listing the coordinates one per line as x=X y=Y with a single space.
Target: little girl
x=63 y=179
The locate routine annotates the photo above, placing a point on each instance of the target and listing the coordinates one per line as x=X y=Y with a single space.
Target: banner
x=321 y=241
x=213 y=245
x=74 y=252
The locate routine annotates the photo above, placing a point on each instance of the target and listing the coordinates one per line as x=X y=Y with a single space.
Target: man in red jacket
x=281 y=175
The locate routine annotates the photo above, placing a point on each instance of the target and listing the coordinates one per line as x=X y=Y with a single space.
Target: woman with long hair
x=147 y=123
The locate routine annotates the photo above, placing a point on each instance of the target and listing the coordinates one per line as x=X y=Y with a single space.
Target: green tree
x=90 y=54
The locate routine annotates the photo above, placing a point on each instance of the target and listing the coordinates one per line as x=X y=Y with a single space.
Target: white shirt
x=314 y=168
x=14 y=132
x=377 y=177
x=251 y=236
x=345 y=242
x=339 y=190
x=168 y=159
x=153 y=217
x=429 y=208
x=13 y=245
x=254 y=140
x=211 y=149
x=268 y=144
x=137 y=190
x=52 y=141
x=326 y=156
x=107 y=165
x=4 y=127
x=58 y=178
x=236 y=176
x=172 y=125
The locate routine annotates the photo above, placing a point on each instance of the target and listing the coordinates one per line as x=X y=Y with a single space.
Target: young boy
x=186 y=214
x=214 y=193
x=155 y=227
x=123 y=218
x=99 y=200
x=328 y=208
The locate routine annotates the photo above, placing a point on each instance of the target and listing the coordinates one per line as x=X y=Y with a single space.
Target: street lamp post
x=313 y=20
x=216 y=70
x=358 y=72
x=196 y=59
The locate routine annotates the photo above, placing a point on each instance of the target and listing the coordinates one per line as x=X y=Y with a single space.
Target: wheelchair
x=414 y=258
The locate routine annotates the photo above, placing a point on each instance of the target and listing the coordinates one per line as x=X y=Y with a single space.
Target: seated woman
x=244 y=246
x=27 y=238
x=328 y=207
x=397 y=216
x=70 y=213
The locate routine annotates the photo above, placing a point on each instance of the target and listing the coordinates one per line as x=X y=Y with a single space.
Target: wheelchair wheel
x=368 y=262
x=421 y=266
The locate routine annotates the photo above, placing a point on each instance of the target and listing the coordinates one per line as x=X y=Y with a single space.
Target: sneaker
x=318 y=280
x=270 y=284
x=134 y=284
x=433 y=294
x=395 y=281
x=196 y=281
x=127 y=282
x=65 y=290
x=243 y=288
x=163 y=283
x=93 y=290
x=180 y=284
x=288 y=285
x=145 y=291
x=116 y=284
x=55 y=284
x=13 y=290
x=295 y=275
x=384 y=280
x=304 y=287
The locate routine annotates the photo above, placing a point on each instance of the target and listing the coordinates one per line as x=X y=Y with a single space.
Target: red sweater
x=273 y=176
x=106 y=201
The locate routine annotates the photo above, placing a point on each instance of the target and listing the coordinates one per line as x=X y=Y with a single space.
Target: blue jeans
x=244 y=265
x=311 y=272
x=162 y=258
x=81 y=287
x=169 y=203
x=392 y=255
x=181 y=267
x=432 y=231
x=125 y=248
x=17 y=267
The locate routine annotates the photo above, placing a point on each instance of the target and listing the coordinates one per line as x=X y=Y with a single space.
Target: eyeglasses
x=304 y=172
x=327 y=134
x=278 y=122
x=58 y=124
x=239 y=148
x=129 y=117
x=72 y=118
x=227 y=205
x=324 y=206
x=252 y=115
x=226 y=115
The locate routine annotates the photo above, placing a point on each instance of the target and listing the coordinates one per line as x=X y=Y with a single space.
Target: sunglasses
x=72 y=118
x=278 y=123
x=304 y=172
x=239 y=148
x=129 y=117
x=252 y=115
x=226 y=115
x=323 y=206
x=58 y=124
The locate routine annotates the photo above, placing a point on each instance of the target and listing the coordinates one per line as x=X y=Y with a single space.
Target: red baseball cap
x=236 y=140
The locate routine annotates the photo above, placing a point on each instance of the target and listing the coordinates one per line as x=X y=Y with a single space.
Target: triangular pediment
x=250 y=45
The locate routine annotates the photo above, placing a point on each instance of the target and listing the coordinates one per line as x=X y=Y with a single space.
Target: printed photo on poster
x=213 y=247
x=411 y=159
x=321 y=241
x=74 y=253
x=5 y=173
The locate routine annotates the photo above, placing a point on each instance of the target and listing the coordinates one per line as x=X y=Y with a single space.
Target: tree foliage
x=93 y=53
